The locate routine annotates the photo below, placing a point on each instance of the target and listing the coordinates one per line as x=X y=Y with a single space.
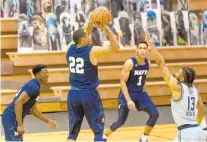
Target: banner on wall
x=182 y=27
x=204 y=27
x=194 y=28
x=48 y=25
x=153 y=19
x=183 y=4
x=168 y=30
x=9 y=8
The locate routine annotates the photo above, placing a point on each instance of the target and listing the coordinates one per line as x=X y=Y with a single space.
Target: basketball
x=101 y=16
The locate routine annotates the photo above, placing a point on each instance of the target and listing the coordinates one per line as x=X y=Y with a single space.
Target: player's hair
x=142 y=42
x=189 y=76
x=37 y=68
x=78 y=34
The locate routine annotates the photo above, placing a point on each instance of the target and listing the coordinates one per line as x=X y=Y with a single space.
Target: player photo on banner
x=182 y=27
x=23 y=7
x=60 y=7
x=142 y=5
x=88 y=6
x=116 y=6
x=10 y=8
x=47 y=6
x=103 y=3
x=65 y=29
x=33 y=8
x=2 y=12
x=139 y=33
x=183 y=4
x=77 y=14
x=39 y=34
x=154 y=4
x=204 y=27
x=168 y=28
x=166 y=5
x=25 y=33
x=194 y=28
x=124 y=29
x=153 y=20
x=129 y=7
x=52 y=32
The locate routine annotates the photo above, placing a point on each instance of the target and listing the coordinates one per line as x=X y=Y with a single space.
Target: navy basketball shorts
x=88 y=103
x=141 y=100
x=10 y=127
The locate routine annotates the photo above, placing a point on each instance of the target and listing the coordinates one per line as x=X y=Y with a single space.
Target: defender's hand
x=148 y=37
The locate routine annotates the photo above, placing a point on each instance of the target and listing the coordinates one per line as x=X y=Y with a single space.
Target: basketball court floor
x=132 y=130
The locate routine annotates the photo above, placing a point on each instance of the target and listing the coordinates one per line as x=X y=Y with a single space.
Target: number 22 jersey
x=83 y=74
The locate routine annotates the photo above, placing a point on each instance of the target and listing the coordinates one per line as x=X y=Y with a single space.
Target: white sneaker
x=104 y=137
x=144 y=138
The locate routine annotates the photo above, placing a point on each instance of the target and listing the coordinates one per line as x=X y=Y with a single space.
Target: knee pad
x=73 y=135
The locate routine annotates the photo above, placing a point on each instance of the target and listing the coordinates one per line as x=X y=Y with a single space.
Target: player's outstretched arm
x=89 y=26
x=18 y=106
x=201 y=110
x=34 y=111
x=124 y=77
x=98 y=51
x=169 y=79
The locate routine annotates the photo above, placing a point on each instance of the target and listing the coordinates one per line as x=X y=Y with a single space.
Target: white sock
x=104 y=136
x=144 y=137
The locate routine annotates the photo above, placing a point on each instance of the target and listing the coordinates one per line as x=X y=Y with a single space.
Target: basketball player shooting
x=185 y=98
x=83 y=58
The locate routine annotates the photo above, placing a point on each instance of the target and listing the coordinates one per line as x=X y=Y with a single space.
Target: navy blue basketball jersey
x=137 y=75
x=83 y=74
x=32 y=88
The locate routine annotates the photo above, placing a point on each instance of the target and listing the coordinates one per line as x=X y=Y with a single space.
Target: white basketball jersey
x=184 y=110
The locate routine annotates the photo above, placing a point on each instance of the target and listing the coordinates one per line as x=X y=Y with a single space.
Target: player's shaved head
x=78 y=34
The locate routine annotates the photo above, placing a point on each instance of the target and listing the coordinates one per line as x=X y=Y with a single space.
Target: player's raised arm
x=169 y=79
x=89 y=26
x=98 y=51
x=128 y=65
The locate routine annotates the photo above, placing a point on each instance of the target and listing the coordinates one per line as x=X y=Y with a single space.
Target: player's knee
x=153 y=118
x=72 y=136
x=155 y=114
